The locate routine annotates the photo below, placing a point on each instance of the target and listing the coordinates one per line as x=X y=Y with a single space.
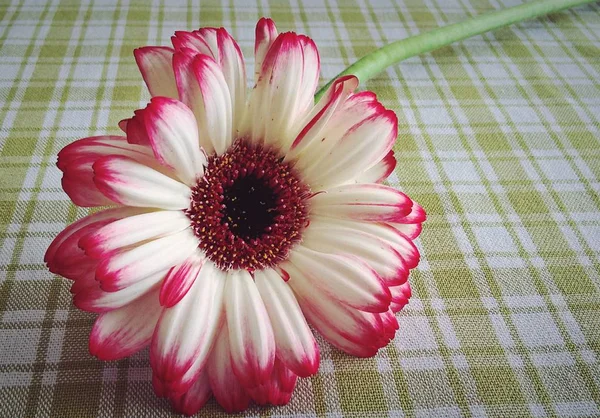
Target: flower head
x=237 y=220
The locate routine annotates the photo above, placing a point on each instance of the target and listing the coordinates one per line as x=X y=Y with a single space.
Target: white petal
x=250 y=333
x=344 y=278
x=379 y=254
x=94 y=299
x=122 y=269
x=318 y=118
x=215 y=118
x=186 y=331
x=284 y=92
x=364 y=202
x=265 y=34
x=226 y=387
x=296 y=346
x=360 y=148
x=155 y=64
x=173 y=135
x=122 y=332
x=220 y=45
x=130 y=183
x=133 y=230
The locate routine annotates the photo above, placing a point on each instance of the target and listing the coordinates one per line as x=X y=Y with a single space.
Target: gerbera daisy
x=238 y=220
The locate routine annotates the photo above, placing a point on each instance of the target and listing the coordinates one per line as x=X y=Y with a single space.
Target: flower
x=238 y=221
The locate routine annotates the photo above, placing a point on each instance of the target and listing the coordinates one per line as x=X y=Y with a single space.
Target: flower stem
x=377 y=61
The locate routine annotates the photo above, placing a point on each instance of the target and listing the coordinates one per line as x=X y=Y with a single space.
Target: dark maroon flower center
x=248 y=209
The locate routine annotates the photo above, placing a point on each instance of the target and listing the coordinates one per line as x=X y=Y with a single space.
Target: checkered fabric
x=499 y=141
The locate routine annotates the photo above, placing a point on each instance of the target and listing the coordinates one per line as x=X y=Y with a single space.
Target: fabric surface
x=499 y=141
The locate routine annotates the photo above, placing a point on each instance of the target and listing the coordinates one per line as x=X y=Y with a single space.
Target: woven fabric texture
x=498 y=140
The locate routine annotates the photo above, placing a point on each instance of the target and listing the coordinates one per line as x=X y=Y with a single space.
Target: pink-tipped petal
x=250 y=333
x=224 y=50
x=173 y=135
x=380 y=171
x=295 y=343
x=203 y=89
x=226 y=388
x=132 y=230
x=216 y=114
x=65 y=246
x=361 y=147
x=124 y=331
x=155 y=64
x=400 y=296
x=284 y=92
x=97 y=146
x=410 y=225
x=320 y=115
x=122 y=269
x=400 y=242
x=355 y=325
x=363 y=202
x=76 y=160
x=344 y=278
x=380 y=255
x=179 y=279
x=186 y=332
x=136 y=130
x=265 y=35
x=191 y=401
x=278 y=390
x=94 y=299
x=128 y=182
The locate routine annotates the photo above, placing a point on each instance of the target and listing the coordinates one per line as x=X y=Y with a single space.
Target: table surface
x=499 y=141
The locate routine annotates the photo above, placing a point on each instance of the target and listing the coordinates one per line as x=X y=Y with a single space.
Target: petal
x=78 y=184
x=410 y=226
x=76 y=159
x=284 y=91
x=296 y=345
x=379 y=254
x=98 y=146
x=359 y=149
x=136 y=129
x=65 y=246
x=363 y=328
x=364 y=202
x=124 y=331
x=379 y=171
x=132 y=230
x=173 y=135
x=216 y=116
x=320 y=115
x=203 y=89
x=220 y=45
x=180 y=278
x=343 y=278
x=400 y=296
x=186 y=332
x=225 y=386
x=334 y=336
x=265 y=35
x=94 y=299
x=402 y=244
x=155 y=64
x=250 y=333
x=122 y=269
x=278 y=390
x=131 y=183
x=194 y=399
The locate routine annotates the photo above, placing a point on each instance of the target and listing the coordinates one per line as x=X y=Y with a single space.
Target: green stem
x=377 y=61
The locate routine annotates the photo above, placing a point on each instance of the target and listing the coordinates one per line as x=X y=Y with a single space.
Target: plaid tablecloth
x=499 y=141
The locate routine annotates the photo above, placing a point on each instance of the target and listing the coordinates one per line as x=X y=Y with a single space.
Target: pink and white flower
x=239 y=219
